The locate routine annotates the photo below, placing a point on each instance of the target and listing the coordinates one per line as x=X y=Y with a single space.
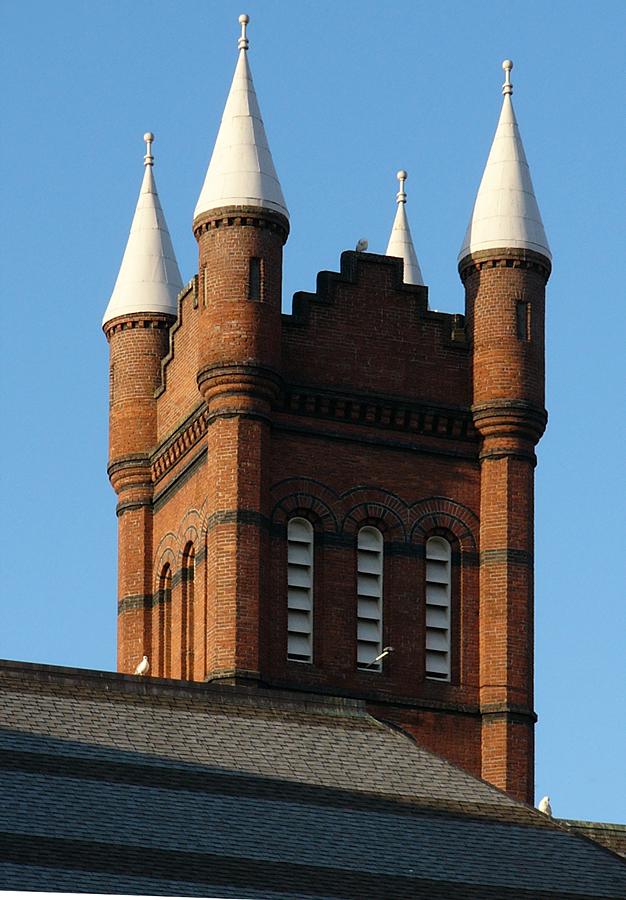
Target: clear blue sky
x=350 y=92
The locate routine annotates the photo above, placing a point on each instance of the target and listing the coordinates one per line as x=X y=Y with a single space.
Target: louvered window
x=300 y=590
x=165 y=622
x=369 y=598
x=438 y=583
x=187 y=631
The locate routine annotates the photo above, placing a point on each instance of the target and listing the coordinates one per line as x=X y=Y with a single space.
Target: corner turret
x=504 y=264
x=136 y=324
x=241 y=224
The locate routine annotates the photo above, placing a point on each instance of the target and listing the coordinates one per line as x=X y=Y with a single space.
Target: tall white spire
x=241 y=171
x=400 y=240
x=505 y=212
x=149 y=280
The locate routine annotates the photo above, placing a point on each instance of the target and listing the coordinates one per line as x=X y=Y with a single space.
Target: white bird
x=385 y=652
x=361 y=246
x=544 y=806
x=143 y=667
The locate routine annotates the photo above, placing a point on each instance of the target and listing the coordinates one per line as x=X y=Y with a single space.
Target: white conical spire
x=241 y=171
x=149 y=280
x=400 y=240
x=505 y=213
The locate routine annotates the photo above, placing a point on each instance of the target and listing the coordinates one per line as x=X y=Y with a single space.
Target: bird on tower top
x=544 y=806
x=143 y=667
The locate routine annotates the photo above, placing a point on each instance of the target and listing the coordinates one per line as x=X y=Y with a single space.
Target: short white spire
x=241 y=171
x=149 y=280
x=505 y=212
x=400 y=240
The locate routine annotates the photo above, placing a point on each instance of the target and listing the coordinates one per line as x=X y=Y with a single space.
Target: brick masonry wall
x=361 y=414
x=364 y=329
x=509 y=414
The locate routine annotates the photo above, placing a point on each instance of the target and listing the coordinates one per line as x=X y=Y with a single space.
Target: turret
x=136 y=322
x=241 y=223
x=505 y=263
x=400 y=240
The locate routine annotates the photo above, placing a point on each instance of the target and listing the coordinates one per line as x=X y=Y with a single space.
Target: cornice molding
x=505 y=257
x=380 y=412
x=241 y=216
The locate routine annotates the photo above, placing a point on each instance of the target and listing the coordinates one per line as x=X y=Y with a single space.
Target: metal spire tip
x=402 y=177
x=243 y=40
x=148 y=159
x=507 y=87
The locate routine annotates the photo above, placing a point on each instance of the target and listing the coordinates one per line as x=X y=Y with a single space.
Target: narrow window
x=254 y=282
x=165 y=614
x=438 y=571
x=300 y=590
x=523 y=320
x=187 y=612
x=205 y=286
x=369 y=598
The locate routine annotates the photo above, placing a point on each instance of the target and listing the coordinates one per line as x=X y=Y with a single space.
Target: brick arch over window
x=459 y=526
x=307 y=498
x=191 y=529
x=168 y=550
x=374 y=506
x=446 y=517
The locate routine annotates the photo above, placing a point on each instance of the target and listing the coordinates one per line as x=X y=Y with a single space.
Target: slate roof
x=112 y=783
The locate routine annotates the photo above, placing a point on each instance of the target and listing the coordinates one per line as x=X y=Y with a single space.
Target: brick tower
x=241 y=223
x=136 y=322
x=337 y=500
x=504 y=264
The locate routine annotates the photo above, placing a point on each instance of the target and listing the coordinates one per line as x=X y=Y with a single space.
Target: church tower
x=338 y=500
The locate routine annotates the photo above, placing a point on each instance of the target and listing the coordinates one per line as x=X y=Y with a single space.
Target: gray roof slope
x=111 y=783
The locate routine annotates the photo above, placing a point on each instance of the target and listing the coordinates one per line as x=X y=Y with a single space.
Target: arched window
x=188 y=573
x=369 y=598
x=165 y=621
x=438 y=585
x=300 y=590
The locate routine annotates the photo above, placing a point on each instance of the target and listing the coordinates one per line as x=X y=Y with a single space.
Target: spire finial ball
x=243 y=42
x=507 y=65
x=148 y=137
x=402 y=175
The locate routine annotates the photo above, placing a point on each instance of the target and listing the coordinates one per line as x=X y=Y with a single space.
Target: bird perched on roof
x=143 y=667
x=362 y=245
x=544 y=806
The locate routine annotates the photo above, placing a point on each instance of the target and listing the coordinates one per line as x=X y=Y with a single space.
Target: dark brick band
x=508 y=555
